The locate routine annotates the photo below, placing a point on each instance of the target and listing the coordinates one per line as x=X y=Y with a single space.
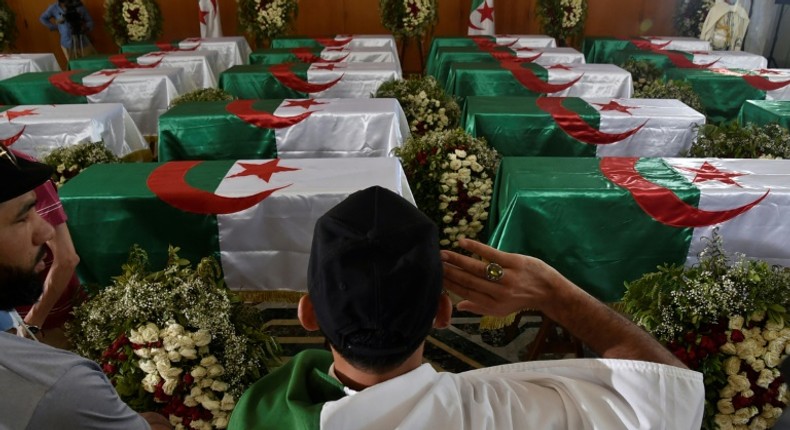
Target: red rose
x=690 y=338
x=737 y=336
x=108 y=369
x=188 y=379
x=708 y=344
x=739 y=401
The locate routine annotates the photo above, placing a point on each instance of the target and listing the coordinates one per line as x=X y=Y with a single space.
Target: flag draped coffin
x=560 y=126
x=603 y=222
x=304 y=128
x=257 y=216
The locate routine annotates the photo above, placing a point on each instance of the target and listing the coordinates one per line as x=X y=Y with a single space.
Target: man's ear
x=444 y=312
x=306 y=314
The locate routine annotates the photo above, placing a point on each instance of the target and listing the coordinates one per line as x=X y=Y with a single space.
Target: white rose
x=758 y=423
x=460 y=153
x=774 y=325
x=771 y=359
x=205 y=383
x=743 y=415
x=201 y=337
x=173 y=329
x=150 y=381
x=227 y=403
x=162 y=365
x=198 y=372
x=186 y=342
x=736 y=322
x=219 y=386
x=174 y=356
x=150 y=333
x=757 y=364
x=758 y=316
x=173 y=372
x=189 y=354
x=208 y=361
x=210 y=404
x=190 y=401
x=169 y=386
x=220 y=422
x=739 y=382
x=727 y=392
x=770 y=335
x=725 y=406
x=134 y=335
x=143 y=352
x=724 y=422
x=732 y=365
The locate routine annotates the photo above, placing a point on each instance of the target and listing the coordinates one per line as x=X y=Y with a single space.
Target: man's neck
x=358 y=380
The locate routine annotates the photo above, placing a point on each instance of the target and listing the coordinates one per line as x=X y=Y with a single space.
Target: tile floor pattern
x=458 y=348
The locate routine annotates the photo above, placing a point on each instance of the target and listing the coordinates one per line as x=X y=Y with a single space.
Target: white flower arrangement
x=451 y=174
x=183 y=345
x=726 y=318
x=408 y=17
x=132 y=20
x=562 y=19
x=267 y=19
x=425 y=103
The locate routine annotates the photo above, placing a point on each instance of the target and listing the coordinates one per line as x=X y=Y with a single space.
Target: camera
x=73 y=17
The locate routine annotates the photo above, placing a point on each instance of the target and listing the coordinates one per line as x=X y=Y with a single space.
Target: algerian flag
x=210 y=25
x=257 y=216
x=481 y=18
x=571 y=126
x=602 y=222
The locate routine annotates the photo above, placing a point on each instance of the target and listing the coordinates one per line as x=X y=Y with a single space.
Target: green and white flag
x=481 y=18
x=257 y=216
x=603 y=222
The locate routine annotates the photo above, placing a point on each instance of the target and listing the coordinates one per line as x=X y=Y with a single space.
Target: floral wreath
x=132 y=20
x=562 y=19
x=267 y=19
x=726 y=318
x=408 y=18
x=8 y=30
x=425 y=103
x=451 y=174
x=690 y=16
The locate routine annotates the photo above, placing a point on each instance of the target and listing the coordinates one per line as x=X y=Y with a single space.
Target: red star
x=202 y=14
x=263 y=171
x=112 y=72
x=12 y=115
x=304 y=104
x=613 y=105
x=330 y=66
x=559 y=66
x=486 y=13
x=709 y=172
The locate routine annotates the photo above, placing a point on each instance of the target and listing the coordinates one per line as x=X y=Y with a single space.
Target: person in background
x=72 y=20
x=375 y=290
x=45 y=387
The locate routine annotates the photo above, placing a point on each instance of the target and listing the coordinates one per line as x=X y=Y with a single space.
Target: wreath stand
x=418 y=40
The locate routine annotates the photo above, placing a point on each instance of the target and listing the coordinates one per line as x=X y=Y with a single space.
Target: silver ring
x=494 y=272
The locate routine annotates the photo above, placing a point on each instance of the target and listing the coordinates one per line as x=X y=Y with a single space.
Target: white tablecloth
x=368 y=41
x=15 y=64
x=358 y=80
x=343 y=128
x=233 y=51
x=146 y=93
x=199 y=66
x=47 y=127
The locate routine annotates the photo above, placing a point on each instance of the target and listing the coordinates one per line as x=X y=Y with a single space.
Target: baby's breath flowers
x=174 y=341
x=69 y=161
x=726 y=318
x=267 y=19
x=451 y=174
x=562 y=19
x=133 y=20
x=408 y=18
x=425 y=103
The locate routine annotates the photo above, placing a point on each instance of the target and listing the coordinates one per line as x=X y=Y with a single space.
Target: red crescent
x=530 y=81
x=329 y=42
x=284 y=74
x=63 y=82
x=167 y=182
x=472 y=26
x=570 y=122
x=243 y=109
x=648 y=45
x=661 y=203
x=764 y=84
x=122 y=62
x=11 y=140
x=486 y=44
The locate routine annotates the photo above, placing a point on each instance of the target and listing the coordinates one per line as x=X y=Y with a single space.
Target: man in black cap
x=44 y=387
x=375 y=290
